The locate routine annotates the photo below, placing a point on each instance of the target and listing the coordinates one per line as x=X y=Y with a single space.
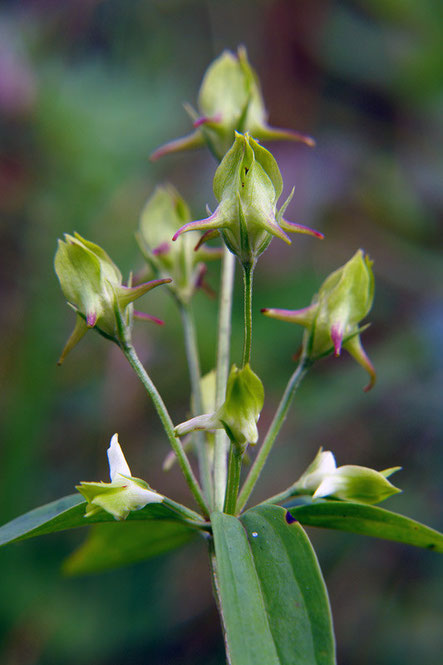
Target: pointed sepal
x=123 y=494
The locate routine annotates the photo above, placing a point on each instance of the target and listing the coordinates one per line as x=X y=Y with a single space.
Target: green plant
x=268 y=585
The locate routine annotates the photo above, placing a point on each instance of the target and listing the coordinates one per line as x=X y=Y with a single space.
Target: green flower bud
x=247 y=185
x=239 y=413
x=230 y=99
x=332 y=320
x=92 y=285
x=164 y=213
x=123 y=494
x=349 y=482
x=357 y=483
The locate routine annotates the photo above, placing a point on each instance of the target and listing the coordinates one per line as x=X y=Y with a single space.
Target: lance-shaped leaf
x=274 y=602
x=368 y=521
x=109 y=546
x=69 y=513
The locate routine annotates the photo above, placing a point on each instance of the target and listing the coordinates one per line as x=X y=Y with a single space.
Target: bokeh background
x=87 y=90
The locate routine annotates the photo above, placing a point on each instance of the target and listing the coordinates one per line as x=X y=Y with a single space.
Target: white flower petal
x=117 y=461
x=137 y=497
x=329 y=485
x=323 y=465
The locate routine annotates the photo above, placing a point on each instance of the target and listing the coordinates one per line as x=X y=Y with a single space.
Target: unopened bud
x=164 y=213
x=247 y=185
x=92 y=285
x=332 y=320
x=229 y=100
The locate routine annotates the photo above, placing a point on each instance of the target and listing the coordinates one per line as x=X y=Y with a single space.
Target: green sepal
x=243 y=403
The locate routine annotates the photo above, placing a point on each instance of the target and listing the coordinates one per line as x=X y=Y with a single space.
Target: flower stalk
x=223 y=361
x=248 y=274
x=195 y=378
x=133 y=359
x=277 y=422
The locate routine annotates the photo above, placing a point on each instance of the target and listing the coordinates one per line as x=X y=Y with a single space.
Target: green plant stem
x=167 y=423
x=197 y=402
x=223 y=359
x=248 y=274
x=289 y=493
x=274 y=429
x=189 y=516
x=234 y=469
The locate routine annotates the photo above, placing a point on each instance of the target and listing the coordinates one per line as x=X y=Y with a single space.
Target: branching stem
x=164 y=416
x=197 y=402
x=274 y=429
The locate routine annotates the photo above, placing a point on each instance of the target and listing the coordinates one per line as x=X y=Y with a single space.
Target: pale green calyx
x=92 y=285
x=123 y=494
x=164 y=213
x=332 y=320
x=247 y=185
x=348 y=483
x=230 y=99
x=239 y=413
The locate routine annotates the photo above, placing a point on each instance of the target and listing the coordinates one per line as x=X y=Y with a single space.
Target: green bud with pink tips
x=229 y=100
x=332 y=320
x=165 y=212
x=247 y=185
x=93 y=286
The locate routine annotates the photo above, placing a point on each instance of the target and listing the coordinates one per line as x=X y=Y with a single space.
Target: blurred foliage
x=87 y=90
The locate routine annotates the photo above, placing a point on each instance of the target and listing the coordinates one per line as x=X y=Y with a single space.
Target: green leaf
x=368 y=521
x=108 y=546
x=68 y=513
x=274 y=603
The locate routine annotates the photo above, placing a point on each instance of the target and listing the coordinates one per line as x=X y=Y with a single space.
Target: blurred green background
x=87 y=90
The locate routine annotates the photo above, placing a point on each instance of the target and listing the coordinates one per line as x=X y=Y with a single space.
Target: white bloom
x=123 y=494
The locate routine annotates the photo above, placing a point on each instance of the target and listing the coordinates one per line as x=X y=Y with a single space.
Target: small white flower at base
x=348 y=482
x=123 y=494
x=357 y=483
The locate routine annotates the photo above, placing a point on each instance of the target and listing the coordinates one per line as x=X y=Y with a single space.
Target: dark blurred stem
x=248 y=274
x=197 y=402
x=234 y=469
x=274 y=429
